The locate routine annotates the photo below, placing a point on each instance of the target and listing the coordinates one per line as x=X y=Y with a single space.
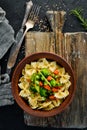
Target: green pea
x=36 y=82
x=53 y=83
x=37 y=76
x=45 y=71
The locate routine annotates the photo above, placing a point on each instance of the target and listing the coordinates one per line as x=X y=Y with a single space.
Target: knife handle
x=13 y=56
x=14 y=52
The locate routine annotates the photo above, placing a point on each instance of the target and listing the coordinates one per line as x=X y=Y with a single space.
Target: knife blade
x=16 y=47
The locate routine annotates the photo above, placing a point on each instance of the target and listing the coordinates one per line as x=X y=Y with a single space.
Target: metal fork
x=31 y=19
x=29 y=24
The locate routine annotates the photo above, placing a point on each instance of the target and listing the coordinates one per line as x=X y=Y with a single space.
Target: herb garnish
x=78 y=13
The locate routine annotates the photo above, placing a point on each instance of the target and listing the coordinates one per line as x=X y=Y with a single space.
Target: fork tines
x=34 y=12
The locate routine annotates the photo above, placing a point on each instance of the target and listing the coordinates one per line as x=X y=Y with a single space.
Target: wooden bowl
x=17 y=73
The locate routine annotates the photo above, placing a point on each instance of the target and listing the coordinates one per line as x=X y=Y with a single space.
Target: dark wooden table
x=13 y=115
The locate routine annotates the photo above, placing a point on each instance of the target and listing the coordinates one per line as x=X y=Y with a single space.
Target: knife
x=15 y=48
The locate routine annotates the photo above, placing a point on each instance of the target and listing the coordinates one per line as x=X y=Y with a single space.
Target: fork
x=31 y=19
x=34 y=12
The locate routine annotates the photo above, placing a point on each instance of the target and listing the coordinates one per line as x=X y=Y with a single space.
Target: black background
x=11 y=117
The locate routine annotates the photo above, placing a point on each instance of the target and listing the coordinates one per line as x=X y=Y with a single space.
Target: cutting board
x=73 y=47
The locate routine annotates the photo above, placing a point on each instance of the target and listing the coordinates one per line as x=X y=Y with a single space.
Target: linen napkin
x=6 y=40
x=6 y=97
x=6 y=34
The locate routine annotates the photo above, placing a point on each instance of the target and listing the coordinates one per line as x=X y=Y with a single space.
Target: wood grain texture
x=37 y=42
x=73 y=47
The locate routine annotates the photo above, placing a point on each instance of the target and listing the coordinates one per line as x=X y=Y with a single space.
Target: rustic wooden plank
x=40 y=41
x=56 y=19
x=73 y=47
x=76 y=114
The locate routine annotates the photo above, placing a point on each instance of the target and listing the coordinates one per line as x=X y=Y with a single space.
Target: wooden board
x=73 y=47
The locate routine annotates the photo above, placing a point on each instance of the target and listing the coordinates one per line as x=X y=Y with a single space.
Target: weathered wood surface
x=73 y=47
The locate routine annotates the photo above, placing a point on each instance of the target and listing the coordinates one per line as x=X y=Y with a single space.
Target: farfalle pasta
x=44 y=84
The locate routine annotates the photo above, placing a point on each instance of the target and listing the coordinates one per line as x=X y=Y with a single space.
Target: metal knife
x=12 y=57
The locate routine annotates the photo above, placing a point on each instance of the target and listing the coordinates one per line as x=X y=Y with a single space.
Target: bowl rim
x=27 y=108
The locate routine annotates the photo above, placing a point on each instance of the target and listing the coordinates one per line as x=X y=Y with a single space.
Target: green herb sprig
x=78 y=13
